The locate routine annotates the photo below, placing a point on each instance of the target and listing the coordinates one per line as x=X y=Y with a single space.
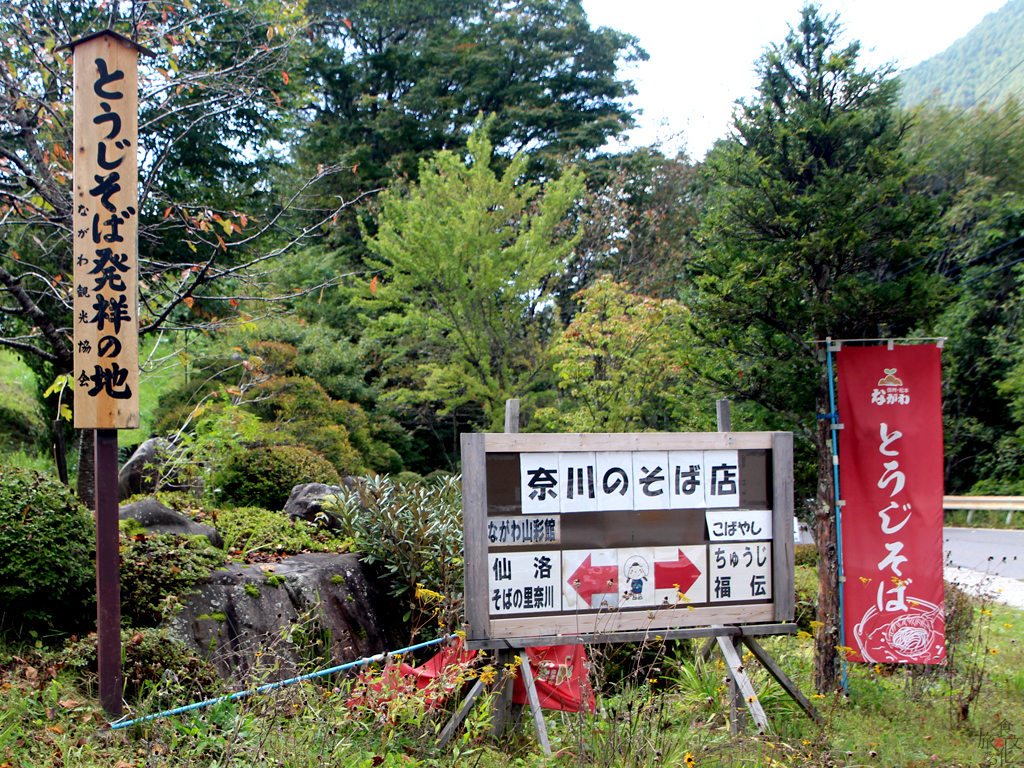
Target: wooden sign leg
x=460 y=715
x=503 y=706
x=531 y=694
x=731 y=648
x=782 y=679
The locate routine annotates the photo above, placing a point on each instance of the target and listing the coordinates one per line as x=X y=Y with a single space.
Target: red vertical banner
x=890 y=478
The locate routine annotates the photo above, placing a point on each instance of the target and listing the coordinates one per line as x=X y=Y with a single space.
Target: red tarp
x=561 y=674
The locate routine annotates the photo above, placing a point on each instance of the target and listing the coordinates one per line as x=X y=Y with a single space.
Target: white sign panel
x=539 y=483
x=590 y=579
x=636 y=577
x=687 y=486
x=578 y=474
x=524 y=582
x=680 y=575
x=740 y=572
x=739 y=524
x=615 y=490
x=612 y=481
x=650 y=480
x=516 y=531
x=722 y=479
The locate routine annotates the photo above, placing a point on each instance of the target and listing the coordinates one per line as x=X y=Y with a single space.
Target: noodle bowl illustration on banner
x=883 y=638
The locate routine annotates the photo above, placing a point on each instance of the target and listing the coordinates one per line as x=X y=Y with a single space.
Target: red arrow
x=681 y=574
x=589 y=579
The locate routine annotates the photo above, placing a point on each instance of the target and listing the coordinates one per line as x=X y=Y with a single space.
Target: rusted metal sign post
x=106 y=319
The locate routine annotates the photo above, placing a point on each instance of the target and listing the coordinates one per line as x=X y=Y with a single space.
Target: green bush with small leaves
x=47 y=539
x=264 y=477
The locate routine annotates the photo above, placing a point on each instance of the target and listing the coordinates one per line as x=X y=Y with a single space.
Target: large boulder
x=156 y=518
x=306 y=501
x=270 y=622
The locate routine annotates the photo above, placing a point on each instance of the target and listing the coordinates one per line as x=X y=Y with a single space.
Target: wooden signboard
x=608 y=535
x=105 y=242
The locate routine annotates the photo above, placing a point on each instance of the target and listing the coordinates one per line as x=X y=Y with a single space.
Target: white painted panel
x=740 y=572
x=650 y=480
x=539 y=485
x=590 y=579
x=636 y=577
x=681 y=569
x=686 y=479
x=516 y=531
x=721 y=479
x=739 y=524
x=615 y=480
x=577 y=473
x=523 y=582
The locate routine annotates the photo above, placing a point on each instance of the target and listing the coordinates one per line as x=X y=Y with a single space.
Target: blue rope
x=270 y=686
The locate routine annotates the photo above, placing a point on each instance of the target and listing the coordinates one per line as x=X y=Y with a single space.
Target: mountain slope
x=986 y=64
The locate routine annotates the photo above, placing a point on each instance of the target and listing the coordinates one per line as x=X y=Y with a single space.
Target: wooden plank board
x=614 y=621
x=474 y=515
x=647 y=636
x=529 y=442
x=105 y=234
x=783 y=563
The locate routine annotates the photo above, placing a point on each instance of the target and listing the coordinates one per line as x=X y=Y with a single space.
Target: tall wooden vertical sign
x=106 y=322
x=106 y=216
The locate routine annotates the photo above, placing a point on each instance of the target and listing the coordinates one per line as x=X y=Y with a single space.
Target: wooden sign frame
x=761 y=617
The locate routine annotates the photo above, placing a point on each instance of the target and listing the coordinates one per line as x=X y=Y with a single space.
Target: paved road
x=996 y=552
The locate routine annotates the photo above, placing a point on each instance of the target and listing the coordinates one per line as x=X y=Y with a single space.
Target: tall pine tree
x=810 y=232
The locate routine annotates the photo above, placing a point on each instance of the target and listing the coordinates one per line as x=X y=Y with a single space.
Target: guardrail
x=1009 y=504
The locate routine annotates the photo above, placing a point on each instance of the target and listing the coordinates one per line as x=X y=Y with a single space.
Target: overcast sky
x=702 y=52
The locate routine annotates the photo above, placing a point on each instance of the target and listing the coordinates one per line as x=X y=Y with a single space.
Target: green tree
x=622 y=364
x=811 y=232
x=468 y=257
x=638 y=223
x=393 y=82
x=972 y=164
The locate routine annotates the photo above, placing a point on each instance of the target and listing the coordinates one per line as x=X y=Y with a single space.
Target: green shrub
x=414 y=531
x=959 y=614
x=264 y=477
x=157 y=571
x=806 y=585
x=155 y=666
x=47 y=539
x=806 y=554
x=250 y=529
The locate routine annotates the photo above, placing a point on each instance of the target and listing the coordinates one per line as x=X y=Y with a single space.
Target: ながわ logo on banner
x=890 y=390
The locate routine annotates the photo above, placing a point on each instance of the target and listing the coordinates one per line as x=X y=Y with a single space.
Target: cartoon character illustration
x=636 y=574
